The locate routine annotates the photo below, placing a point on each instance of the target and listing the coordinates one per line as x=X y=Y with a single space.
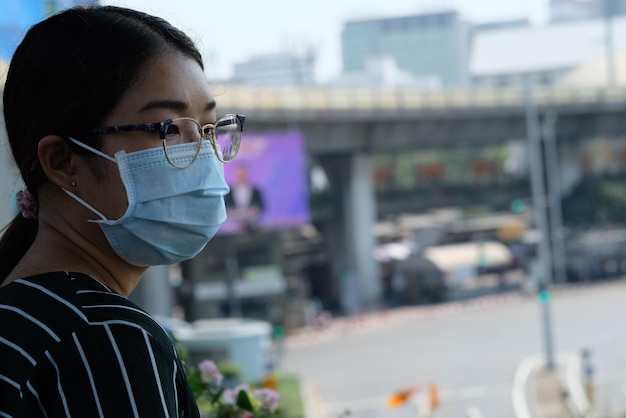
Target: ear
x=57 y=160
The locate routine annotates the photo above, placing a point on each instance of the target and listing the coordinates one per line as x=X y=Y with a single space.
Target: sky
x=230 y=32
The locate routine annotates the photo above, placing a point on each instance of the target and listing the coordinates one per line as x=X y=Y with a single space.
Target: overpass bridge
x=338 y=121
x=345 y=128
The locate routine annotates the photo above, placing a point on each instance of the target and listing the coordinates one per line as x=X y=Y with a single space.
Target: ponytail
x=16 y=239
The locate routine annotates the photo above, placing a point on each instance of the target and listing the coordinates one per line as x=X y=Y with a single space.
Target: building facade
x=428 y=46
x=508 y=57
x=276 y=70
x=571 y=10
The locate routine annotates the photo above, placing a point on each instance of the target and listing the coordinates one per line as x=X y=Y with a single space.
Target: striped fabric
x=71 y=347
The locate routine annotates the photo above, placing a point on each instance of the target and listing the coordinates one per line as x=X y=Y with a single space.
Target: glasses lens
x=182 y=131
x=228 y=136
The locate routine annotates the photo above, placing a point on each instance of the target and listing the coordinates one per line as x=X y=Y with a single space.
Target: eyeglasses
x=224 y=134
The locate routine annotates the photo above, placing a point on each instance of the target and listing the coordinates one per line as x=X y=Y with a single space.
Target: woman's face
x=171 y=86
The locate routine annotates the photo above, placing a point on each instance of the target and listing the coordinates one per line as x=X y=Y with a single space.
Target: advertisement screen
x=268 y=183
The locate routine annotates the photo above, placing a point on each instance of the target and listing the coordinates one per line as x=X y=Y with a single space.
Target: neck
x=82 y=250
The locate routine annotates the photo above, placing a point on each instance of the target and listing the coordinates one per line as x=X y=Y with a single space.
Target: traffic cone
x=400 y=398
x=270 y=380
x=433 y=394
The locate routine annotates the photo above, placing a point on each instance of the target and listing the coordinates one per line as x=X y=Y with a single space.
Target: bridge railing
x=319 y=98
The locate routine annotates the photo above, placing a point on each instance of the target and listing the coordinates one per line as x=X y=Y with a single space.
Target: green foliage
x=229 y=369
x=291 y=403
x=199 y=388
x=243 y=401
x=214 y=401
x=210 y=396
x=596 y=201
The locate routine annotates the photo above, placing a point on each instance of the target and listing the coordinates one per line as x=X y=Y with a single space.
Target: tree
x=595 y=201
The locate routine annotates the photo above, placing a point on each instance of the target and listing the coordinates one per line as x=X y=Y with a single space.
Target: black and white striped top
x=71 y=347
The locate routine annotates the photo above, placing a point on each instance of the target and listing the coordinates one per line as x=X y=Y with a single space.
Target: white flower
x=269 y=398
x=230 y=395
x=210 y=373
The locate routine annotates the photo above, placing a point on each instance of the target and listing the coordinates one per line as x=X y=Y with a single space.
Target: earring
x=73 y=183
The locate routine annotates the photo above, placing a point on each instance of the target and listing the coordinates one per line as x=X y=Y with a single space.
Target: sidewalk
x=550 y=396
x=557 y=393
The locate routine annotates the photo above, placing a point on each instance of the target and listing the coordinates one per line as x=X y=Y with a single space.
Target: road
x=470 y=349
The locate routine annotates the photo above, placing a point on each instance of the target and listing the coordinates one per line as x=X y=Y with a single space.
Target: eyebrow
x=173 y=104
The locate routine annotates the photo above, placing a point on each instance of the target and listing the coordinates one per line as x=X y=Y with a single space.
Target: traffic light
x=518 y=206
x=543 y=296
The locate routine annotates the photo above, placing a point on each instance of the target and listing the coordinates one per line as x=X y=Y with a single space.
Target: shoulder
x=42 y=310
x=46 y=302
x=70 y=329
x=57 y=297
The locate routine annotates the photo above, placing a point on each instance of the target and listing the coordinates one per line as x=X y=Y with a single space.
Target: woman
x=113 y=127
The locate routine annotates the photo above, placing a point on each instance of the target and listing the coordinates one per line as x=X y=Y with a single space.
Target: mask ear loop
x=78 y=199
x=92 y=149
x=88 y=206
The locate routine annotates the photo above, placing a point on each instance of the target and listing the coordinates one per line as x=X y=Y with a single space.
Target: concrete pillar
x=154 y=292
x=570 y=172
x=359 y=217
x=348 y=232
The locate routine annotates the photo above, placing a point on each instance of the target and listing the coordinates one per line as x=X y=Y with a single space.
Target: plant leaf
x=215 y=396
x=243 y=401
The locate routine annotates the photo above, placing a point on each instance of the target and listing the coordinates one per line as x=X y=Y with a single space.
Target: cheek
x=108 y=192
x=119 y=200
x=140 y=141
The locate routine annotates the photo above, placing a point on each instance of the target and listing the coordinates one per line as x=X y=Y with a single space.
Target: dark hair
x=65 y=77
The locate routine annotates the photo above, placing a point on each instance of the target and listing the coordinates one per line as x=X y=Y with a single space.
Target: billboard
x=268 y=183
x=18 y=16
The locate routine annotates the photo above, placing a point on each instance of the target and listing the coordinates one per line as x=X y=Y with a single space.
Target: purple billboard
x=268 y=183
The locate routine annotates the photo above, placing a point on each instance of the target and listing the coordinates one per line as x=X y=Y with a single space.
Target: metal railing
x=319 y=98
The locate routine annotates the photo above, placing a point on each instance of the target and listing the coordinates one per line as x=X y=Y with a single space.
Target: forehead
x=171 y=82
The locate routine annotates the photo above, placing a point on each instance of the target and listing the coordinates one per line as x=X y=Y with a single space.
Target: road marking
x=520 y=382
x=571 y=363
x=314 y=402
x=447 y=397
x=474 y=412
x=475 y=392
x=357 y=405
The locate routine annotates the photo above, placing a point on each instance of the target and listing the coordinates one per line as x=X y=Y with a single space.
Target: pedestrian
x=112 y=125
x=588 y=372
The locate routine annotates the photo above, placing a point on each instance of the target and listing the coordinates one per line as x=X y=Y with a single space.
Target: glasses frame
x=207 y=133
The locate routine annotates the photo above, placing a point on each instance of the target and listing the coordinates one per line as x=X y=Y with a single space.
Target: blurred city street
x=471 y=350
x=423 y=193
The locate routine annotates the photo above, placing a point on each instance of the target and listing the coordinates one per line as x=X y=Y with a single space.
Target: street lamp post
x=608 y=11
x=554 y=197
x=538 y=186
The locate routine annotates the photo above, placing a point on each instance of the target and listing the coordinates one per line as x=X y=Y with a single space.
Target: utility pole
x=608 y=42
x=554 y=196
x=538 y=186
x=232 y=277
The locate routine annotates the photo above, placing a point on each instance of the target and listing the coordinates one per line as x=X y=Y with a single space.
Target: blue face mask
x=172 y=212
